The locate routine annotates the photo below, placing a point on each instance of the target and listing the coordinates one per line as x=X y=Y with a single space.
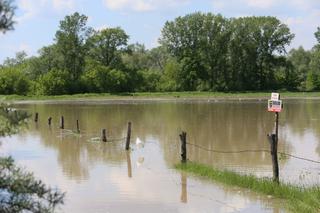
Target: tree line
x=196 y=52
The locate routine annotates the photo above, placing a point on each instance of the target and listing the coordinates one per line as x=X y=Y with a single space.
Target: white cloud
x=63 y=4
x=142 y=5
x=263 y=4
x=32 y=8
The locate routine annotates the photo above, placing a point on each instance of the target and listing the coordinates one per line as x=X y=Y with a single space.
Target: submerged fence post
x=103 y=135
x=274 y=156
x=183 y=139
x=78 y=128
x=62 y=122
x=36 y=117
x=49 y=121
x=128 y=136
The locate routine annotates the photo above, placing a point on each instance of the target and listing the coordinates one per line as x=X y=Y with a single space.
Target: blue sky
x=38 y=20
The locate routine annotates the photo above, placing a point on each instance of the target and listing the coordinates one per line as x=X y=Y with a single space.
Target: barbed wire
x=252 y=150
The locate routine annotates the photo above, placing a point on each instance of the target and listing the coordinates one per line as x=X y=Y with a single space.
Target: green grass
x=165 y=95
x=298 y=199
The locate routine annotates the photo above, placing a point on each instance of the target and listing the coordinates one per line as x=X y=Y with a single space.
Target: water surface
x=103 y=177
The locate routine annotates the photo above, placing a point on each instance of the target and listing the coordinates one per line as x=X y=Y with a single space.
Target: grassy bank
x=165 y=95
x=298 y=199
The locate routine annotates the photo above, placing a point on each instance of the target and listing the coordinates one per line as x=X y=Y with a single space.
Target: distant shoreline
x=158 y=96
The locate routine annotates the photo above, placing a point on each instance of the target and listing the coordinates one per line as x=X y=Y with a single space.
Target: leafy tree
x=13 y=81
x=317 y=35
x=71 y=44
x=55 y=82
x=18 y=60
x=100 y=78
x=136 y=57
x=6 y=15
x=300 y=60
x=106 y=46
x=158 y=57
x=169 y=81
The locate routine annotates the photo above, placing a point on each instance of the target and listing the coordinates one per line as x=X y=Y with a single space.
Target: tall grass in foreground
x=298 y=199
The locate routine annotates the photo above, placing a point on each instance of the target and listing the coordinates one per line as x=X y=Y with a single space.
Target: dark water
x=103 y=177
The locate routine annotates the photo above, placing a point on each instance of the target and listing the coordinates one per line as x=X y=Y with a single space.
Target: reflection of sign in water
x=274 y=106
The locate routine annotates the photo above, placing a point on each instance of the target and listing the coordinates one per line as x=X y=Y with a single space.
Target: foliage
x=106 y=46
x=20 y=191
x=100 y=78
x=55 y=82
x=197 y=52
x=6 y=15
x=13 y=81
x=71 y=43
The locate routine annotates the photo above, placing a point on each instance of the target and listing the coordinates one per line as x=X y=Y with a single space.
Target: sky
x=38 y=20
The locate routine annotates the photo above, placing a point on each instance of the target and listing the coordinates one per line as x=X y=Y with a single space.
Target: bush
x=100 y=78
x=55 y=82
x=13 y=81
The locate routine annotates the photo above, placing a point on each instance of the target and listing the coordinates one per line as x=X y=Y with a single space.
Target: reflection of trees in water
x=302 y=116
x=229 y=126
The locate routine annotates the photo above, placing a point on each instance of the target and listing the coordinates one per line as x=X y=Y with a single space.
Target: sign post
x=275 y=105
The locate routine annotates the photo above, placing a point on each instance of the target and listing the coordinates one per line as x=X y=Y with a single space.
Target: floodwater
x=103 y=177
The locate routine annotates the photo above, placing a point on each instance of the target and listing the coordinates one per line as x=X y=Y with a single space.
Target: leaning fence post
x=274 y=155
x=62 y=122
x=36 y=117
x=49 y=121
x=183 y=139
x=128 y=136
x=103 y=135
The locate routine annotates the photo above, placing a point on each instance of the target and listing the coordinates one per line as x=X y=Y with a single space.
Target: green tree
x=317 y=35
x=6 y=15
x=106 y=46
x=13 y=81
x=100 y=78
x=300 y=60
x=55 y=82
x=71 y=44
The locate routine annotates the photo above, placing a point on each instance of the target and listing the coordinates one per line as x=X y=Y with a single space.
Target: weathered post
x=274 y=156
x=183 y=139
x=49 y=121
x=275 y=105
x=128 y=136
x=62 y=122
x=36 y=117
x=78 y=128
x=103 y=135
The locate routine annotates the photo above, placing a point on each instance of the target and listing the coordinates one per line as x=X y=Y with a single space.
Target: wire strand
x=249 y=150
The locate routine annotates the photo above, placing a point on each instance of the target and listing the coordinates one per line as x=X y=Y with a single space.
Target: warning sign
x=275 y=96
x=274 y=105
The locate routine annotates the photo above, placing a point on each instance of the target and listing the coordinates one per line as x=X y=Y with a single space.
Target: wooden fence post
x=274 y=156
x=62 y=122
x=36 y=117
x=103 y=135
x=183 y=139
x=49 y=121
x=128 y=136
x=78 y=128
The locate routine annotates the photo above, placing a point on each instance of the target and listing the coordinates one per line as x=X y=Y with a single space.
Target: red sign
x=274 y=106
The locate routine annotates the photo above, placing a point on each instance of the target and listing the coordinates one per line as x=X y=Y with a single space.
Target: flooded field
x=103 y=177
